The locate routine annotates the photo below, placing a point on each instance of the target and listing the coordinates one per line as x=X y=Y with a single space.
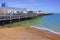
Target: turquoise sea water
x=50 y=22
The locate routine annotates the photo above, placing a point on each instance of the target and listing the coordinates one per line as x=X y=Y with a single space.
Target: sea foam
x=49 y=30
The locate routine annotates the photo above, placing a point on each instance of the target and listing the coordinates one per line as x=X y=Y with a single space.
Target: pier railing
x=15 y=16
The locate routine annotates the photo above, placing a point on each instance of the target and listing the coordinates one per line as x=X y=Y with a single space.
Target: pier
x=9 y=18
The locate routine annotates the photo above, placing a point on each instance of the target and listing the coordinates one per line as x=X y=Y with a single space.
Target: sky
x=43 y=5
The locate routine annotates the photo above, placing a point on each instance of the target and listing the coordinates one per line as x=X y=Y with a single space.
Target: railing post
x=2 y=21
x=25 y=17
x=10 y=21
x=19 y=18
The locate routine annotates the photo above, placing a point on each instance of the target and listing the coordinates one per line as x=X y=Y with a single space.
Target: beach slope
x=26 y=33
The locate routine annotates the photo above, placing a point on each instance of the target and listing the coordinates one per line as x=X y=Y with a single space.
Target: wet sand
x=26 y=33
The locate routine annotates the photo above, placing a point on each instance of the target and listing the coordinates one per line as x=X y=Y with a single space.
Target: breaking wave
x=46 y=29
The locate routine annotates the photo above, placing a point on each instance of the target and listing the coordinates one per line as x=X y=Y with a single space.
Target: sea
x=48 y=22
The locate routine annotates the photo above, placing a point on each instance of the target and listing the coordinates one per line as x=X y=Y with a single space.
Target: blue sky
x=44 y=5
